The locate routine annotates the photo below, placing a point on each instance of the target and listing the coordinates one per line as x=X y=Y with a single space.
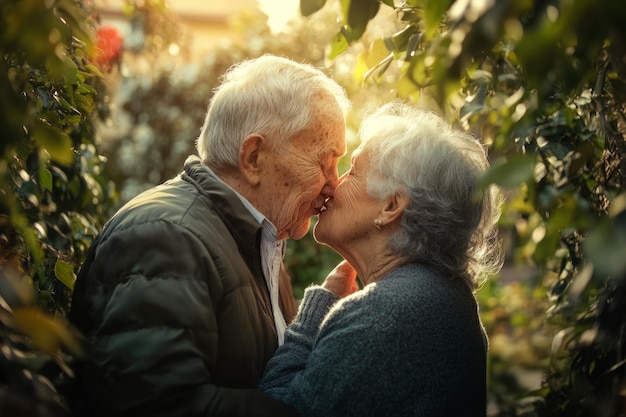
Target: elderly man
x=183 y=296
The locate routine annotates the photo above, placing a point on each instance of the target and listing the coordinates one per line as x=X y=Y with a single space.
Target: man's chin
x=301 y=231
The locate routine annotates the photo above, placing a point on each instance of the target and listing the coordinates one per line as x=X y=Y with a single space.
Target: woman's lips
x=324 y=206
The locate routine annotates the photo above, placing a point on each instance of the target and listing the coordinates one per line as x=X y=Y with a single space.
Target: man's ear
x=249 y=158
x=393 y=208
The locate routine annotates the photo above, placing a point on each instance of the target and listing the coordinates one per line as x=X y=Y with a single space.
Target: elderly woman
x=420 y=233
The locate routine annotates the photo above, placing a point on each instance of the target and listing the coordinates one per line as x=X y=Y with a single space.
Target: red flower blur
x=109 y=43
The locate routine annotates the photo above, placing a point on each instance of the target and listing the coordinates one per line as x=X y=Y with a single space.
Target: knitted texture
x=410 y=344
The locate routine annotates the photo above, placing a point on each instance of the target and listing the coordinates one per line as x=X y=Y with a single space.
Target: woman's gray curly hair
x=450 y=222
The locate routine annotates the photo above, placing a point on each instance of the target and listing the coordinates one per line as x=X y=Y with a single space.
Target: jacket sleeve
x=149 y=312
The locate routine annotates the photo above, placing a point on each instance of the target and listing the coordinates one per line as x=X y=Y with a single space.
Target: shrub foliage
x=53 y=194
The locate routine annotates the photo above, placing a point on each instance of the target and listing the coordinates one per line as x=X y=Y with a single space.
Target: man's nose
x=332 y=181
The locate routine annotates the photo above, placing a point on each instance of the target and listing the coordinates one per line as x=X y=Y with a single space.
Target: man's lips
x=324 y=206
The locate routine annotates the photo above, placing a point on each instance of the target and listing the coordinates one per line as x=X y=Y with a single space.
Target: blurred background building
x=207 y=23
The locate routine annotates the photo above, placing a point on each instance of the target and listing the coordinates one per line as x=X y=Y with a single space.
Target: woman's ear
x=394 y=207
x=249 y=158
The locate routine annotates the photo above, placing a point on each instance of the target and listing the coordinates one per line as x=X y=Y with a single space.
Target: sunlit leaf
x=65 y=273
x=338 y=45
x=406 y=88
x=418 y=72
x=360 y=67
x=377 y=58
x=376 y=53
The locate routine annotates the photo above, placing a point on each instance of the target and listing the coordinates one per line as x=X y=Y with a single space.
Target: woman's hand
x=341 y=281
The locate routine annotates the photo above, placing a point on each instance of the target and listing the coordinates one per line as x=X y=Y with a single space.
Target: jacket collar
x=227 y=205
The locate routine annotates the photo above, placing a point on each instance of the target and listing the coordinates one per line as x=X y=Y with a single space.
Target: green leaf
x=481 y=75
x=377 y=52
x=84 y=88
x=51 y=117
x=94 y=70
x=45 y=178
x=308 y=7
x=73 y=120
x=65 y=273
x=399 y=40
x=517 y=170
x=381 y=67
x=338 y=45
x=62 y=68
x=357 y=15
x=57 y=143
x=433 y=12
x=406 y=88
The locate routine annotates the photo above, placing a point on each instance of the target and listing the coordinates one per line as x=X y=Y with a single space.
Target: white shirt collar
x=272 y=252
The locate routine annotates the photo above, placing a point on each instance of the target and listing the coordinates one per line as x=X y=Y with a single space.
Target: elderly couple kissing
x=187 y=308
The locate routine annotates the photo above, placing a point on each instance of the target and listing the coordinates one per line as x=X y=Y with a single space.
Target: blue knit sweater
x=410 y=344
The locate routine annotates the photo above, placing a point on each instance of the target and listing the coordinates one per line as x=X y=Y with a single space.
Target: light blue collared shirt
x=272 y=253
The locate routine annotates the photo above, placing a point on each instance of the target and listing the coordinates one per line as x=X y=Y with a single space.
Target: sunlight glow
x=279 y=12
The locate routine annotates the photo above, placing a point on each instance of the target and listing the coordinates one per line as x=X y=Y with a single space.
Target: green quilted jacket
x=175 y=309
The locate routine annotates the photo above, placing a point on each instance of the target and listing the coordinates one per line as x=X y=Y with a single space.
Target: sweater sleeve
x=290 y=359
x=323 y=364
